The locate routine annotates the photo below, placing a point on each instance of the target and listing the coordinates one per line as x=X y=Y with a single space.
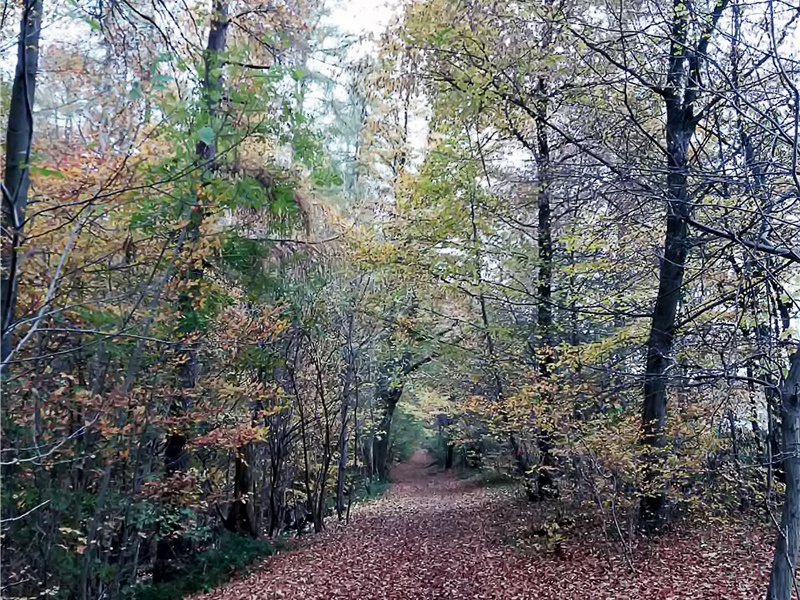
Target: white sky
x=362 y=17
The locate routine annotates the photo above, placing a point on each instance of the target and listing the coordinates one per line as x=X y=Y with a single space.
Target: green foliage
x=244 y=255
x=248 y=310
x=376 y=489
x=409 y=433
x=207 y=569
x=490 y=477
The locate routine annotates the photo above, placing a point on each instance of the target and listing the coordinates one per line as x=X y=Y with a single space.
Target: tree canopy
x=249 y=261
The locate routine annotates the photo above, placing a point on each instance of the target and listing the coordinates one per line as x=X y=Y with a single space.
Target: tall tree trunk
x=276 y=490
x=662 y=330
x=782 y=580
x=544 y=280
x=175 y=457
x=545 y=479
x=680 y=97
x=391 y=382
x=291 y=370
x=19 y=136
x=206 y=154
x=520 y=456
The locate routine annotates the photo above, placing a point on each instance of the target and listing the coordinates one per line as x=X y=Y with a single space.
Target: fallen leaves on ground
x=434 y=536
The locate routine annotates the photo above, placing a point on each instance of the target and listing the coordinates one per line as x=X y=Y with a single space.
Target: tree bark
x=545 y=478
x=391 y=381
x=341 y=476
x=175 y=457
x=348 y=381
x=241 y=517
x=206 y=154
x=680 y=96
x=782 y=581
x=388 y=399
x=662 y=330
x=19 y=137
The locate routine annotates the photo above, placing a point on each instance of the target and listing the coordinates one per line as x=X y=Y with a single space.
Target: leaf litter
x=435 y=536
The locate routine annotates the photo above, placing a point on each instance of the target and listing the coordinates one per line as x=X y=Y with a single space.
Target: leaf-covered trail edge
x=435 y=536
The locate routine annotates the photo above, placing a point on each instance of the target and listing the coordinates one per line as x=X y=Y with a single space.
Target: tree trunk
x=545 y=477
x=367 y=454
x=448 y=456
x=380 y=450
x=175 y=458
x=19 y=136
x=391 y=381
x=241 y=517
x=782 y=580
x=679 y=97
x=662 y=331
x=348 y=381
x=206 y=154
x=544 y=280
x=341 y=477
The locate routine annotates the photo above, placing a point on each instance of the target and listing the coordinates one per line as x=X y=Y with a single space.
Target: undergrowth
x=486 y=477
x=214 y=567
x=208 y=569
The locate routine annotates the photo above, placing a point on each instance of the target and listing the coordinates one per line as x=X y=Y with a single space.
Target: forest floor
x=433 y=535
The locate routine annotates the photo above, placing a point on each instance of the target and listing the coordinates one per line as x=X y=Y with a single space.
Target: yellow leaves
x=266 y=413
x=74 y=540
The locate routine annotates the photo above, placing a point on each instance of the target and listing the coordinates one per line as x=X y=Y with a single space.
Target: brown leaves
x=433 y=536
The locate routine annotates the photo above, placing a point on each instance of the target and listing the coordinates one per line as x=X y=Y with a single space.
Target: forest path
x=435 y=536
x=425 y=538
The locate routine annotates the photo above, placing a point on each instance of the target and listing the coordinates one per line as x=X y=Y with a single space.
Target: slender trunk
x=545 y=477
x=356 y=429
x=92 y=529
x=275 y=498
x=367 y=451
x=303 y=433
x=341 y=477
x=318 y=508
x=19 y=136
x=94 y=524
x=391 y=382
x=520 y=456
x=206 y=154
x=448 y=457
x=782 y=581
x=347 y=385
x=662 y=331
x=175 y=457
x=544 y=280
x=680 y=126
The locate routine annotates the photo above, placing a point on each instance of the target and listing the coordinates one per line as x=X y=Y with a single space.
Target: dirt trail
x=425 y=538
x=434 y=536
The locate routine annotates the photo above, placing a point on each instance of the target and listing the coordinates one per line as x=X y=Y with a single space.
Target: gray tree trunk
x=348 y=382
x=19 y=136
x=680 y=98
x=341 y=476
x=782 y=581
